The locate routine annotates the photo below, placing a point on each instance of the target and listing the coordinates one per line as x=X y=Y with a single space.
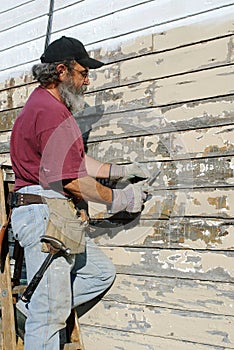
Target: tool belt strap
x=16 y=199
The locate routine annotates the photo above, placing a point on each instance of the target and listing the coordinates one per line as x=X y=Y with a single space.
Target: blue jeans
x=67 y=282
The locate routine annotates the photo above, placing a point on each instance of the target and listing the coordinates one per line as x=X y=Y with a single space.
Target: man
x=48 y=160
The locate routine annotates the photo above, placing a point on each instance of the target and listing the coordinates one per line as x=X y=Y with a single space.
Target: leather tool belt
x=17 y=199
x=64 y=223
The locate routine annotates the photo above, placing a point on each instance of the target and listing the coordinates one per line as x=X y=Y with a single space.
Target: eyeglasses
x=84 y=73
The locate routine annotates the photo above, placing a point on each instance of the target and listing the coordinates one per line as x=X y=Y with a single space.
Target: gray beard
x=72 y=97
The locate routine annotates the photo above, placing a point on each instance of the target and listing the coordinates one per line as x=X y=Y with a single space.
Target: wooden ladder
x=9 y=291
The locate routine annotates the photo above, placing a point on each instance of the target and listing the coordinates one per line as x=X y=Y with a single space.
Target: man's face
x=73 y=86
x=80 y=75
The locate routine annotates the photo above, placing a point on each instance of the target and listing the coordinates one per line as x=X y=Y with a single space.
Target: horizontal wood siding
x=165 y=98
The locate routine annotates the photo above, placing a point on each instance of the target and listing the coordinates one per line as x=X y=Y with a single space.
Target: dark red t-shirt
x=46 y=143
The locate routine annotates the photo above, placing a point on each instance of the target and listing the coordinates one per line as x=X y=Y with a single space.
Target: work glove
x=129 y=171
x=129 y=199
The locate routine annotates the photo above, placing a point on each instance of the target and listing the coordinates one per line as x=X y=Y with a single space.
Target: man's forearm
x=88 y=189
x=97 y=169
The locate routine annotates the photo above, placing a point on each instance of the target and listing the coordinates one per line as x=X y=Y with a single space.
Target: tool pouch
x=65 y=225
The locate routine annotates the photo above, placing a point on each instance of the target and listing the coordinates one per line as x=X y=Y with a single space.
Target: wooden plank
x=169 y=146
x=31 y=30
x=204 y=172
x=185 y=31
x=5 y=142
x=189 y=144
x=174 y=263
x=201 y=29
x=165 y=204
x=10 y=4
x=59 y=4
x=7 y=312
x=155 y=66
x=101 y=125
x=184 y=88
x=18 y=73
x=175 y=233
x=191 y=86
x=118 y=339
x=131 y=123
x=185 y=116
x=184 y=59
x=7 y=119
x=174 y=324
x=180 y=294
x=24 y=13
x=5 y=159
x=12 y=68
x=14 y=98
x=90 y=9
x=197 y=114
x=139 y=17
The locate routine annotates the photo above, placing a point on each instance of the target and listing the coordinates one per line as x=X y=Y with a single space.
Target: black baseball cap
x=69 y=48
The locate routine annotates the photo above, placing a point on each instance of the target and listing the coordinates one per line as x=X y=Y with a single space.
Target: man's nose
x=86 y=81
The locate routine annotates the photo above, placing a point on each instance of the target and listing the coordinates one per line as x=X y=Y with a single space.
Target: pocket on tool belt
x=63 y=224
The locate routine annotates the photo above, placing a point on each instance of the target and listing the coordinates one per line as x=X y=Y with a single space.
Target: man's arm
x=131 y=198
x=88 y=189
x=97 y=169
x=109 y=171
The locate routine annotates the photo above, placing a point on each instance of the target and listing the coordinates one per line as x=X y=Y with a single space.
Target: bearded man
x=49 y=161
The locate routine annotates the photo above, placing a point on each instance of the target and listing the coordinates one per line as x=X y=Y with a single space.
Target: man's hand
x=130 y=199
x=129 y=171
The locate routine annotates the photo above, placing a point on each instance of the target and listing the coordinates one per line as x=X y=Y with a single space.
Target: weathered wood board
x=16 y=16
x=185 y=263
x=190 y=144
x=178 y=233
x=165 y=204
x=116 y=340
x=102 y=125
x=182 y=294
x=215 y=330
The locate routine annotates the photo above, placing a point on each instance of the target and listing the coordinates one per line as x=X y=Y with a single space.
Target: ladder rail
x=8 y=321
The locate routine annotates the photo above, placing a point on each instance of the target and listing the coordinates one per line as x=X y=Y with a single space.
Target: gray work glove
x=129 y=171
x=130 y=199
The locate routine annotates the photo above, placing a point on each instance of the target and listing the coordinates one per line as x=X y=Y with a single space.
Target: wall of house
x=165 y=98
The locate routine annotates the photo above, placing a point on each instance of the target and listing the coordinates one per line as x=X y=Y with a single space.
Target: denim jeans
x=67 y=282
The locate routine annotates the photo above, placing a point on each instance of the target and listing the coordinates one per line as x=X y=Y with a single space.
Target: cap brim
x=90 y=63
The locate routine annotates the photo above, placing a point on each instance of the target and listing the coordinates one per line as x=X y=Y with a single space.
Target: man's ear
x=62 y=70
